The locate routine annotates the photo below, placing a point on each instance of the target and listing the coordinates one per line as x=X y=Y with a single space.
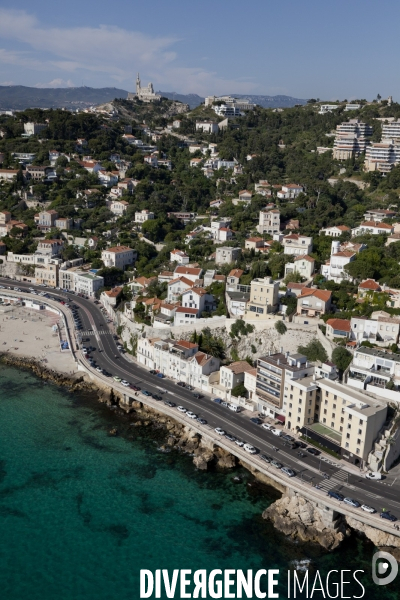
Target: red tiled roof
x=187 y=271
x=376 y=224
x=236 y=273
x=369 y=284
x=339 y=324
x=305 y=257
x=186 y=344
x=190 y=311
x=324 y=295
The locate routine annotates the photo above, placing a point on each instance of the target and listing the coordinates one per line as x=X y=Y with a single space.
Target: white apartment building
x=382 y=156
x=227 y=110
x=290 y=191
x=33 y=128
x=80 y=282
x=391 y=131
x=143 y=216
x=352 y=138
x=179 y=360
x=296 y=244
x=119 y=207
x=207 y=126
x=381 y=329
x=327 y=108
x=176 y=287
x=303 y=265
x=179 y=256
x=373 y=228
x=269 y=221
x=118 y=256
x=371 y=371
x=333 y=269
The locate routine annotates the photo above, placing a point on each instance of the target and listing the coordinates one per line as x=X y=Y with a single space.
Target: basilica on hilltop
x=146 y=94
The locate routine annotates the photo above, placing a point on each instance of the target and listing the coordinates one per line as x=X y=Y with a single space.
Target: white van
x=277 y=432
x=234 y=407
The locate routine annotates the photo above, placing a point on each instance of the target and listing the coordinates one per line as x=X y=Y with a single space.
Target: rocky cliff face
x=301 y=520
x=381 y=539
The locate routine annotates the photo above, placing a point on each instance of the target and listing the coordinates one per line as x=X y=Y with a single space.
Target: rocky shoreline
x=292 y=514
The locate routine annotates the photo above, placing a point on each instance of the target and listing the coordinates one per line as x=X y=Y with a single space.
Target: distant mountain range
x=19 y=97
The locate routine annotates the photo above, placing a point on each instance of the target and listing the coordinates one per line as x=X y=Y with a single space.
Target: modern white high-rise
x=382 y=156
x=391 y=131
x=352 y=138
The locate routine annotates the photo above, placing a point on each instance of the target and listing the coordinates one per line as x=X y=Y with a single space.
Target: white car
x=219 y=431
x=373 y=475
x=182 y=409
x=267 y=426
x=234 y=407
x=191 y=415
x=250 y=449
x=99 y=369
x=277 y=432
x=239 y=443
x=125 y=383
x=31 y=289
x=367 y=508
x=288 y=471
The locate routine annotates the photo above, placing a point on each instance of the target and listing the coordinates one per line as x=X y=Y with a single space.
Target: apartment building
x=207 y=126
x=376 y=371
x=50 y=247
x=303 y=265
x=269 y=221
x=180 y=360
x=334 y=268
x=33 y=128
x=382 y=156
x=119 y=207
x=381 y=329
x=226 y=255
x=352 y=138
x=297 y=244
x=373 y=228
x=179 y=256
x=80 y=282
x=143 y=216
x=378 y=214
x=47 y=274
x=309 y=399
x=46 y=220
x=391 y=131
x=264 y=295
x=118 y=256
x=312 y=303
x=290 y=191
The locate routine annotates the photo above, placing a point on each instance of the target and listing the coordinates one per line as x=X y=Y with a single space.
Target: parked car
x=374 y=475
x=217 y=400
x=182 y=409
x=302 y=445
x=191 y=415
x=313 y=451
x=288 y=471
x=152 y=371
x=250 y=449
x=335 y=495
x=267 y=426
x=219 y=431
x=256 y=420
x=224 y=403
x=169 y=403
x=136 y=388
x=234 y=407
x=266 y=458
x=276 y=464
x=160 y=375
x=181 y=384
x=146 y=393
x=351 y=502
x=230 y=437
x=277 y=432
x=157 y=397
x=201 y=421
x=116 y=378
x=239 y=443
x=189 y=387
x=287 y=437
x=198 y=396
x=387 y=516
x=368 y=509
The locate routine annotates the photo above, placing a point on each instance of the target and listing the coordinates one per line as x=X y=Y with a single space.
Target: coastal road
x=309 y=468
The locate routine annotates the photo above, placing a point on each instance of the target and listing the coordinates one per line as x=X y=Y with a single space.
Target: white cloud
x=105 y=53
x=56 y=83
x=7 y=82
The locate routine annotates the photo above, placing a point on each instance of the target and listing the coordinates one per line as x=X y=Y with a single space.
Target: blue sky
x=303 y=48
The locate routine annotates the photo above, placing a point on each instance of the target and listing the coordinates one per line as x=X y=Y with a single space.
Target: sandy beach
x=29 y=333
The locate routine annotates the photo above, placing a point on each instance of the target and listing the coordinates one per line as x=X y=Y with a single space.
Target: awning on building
x=280 y=418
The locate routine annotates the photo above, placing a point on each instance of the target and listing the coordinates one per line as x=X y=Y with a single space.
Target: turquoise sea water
x=82 y=512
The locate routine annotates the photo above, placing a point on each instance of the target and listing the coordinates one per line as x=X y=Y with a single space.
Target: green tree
x=342 y=358
x=314 y=351
x=280 y=327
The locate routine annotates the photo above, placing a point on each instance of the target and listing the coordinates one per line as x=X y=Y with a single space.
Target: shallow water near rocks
x=81 y=512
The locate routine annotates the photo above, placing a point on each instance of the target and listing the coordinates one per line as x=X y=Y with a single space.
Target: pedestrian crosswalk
x=338 y=478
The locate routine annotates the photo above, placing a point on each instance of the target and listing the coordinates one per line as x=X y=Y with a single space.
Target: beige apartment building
x=47 y=274
x=309 y=399
x=264 y=295
x=269 y=221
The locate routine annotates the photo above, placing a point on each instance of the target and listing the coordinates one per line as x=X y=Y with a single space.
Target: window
x=334 y=406
x=301 y=392
x=348 y=426
x=359 y=431
x=357 y=450
x=300 y=401
x=290 y=405
x=326 y=393
x=358 y=441
x=335 y=397
x=291 y=388
x=333 y=416
x=347 y=436
x=350 y=417
x=325 y=411
x=347 y=444
x=332 y=425
x=290 y=414
x=361 y=422
x=291 y=396
x=299 y=410
x=309 y=411
x=340 y=429
x=324 y=420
